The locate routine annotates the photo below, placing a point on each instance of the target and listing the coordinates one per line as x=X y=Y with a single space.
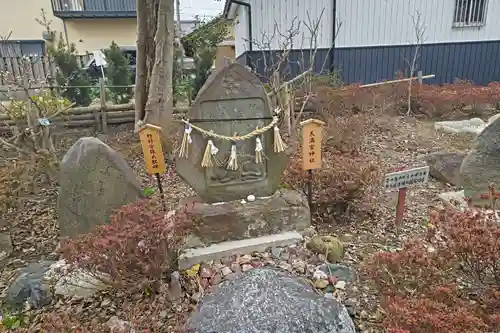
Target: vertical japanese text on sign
x=312 y=131
x=151 y=147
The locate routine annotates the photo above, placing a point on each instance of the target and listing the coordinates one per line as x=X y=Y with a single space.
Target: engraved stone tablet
x=233 y=100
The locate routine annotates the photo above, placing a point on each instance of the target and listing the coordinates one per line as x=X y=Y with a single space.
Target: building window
x=470 y=13
x=72 y=5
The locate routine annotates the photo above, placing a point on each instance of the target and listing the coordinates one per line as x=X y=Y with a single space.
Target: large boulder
x=445 y=167
x=268 y=300
x=95 y=180
x=481 y=166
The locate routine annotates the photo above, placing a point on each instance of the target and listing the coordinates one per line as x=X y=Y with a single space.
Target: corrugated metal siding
x=110 y=5
x=283 y=14
x=18 y=48
x=366 y=22
x=476 y=61
x=389 y=22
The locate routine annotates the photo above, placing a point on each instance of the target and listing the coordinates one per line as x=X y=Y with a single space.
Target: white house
x=458 y=38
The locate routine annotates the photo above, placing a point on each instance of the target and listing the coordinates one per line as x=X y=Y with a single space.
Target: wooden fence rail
x=87 y=116
x=42 y=69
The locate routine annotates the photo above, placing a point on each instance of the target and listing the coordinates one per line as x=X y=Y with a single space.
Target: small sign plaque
x=406 y=178
x=312 y=133
x=151 y=147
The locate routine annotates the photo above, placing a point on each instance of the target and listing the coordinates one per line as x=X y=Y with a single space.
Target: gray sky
x=202 y=8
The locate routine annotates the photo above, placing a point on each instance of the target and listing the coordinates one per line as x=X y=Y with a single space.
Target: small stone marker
x=152 y=150
x=401 y=180
x=95 y=180
x=233 y=102
x=312 y=135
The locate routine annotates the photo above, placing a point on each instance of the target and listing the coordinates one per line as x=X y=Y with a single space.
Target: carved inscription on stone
x=232 y=101
x=248 y=170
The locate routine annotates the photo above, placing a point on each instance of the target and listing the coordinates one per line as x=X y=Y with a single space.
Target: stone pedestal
x=284 y=211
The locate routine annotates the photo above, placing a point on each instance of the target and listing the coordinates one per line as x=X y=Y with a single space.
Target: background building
x=461 y=38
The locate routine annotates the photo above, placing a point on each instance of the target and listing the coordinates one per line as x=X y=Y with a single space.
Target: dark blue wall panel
x=478 y=62
x=112 y=5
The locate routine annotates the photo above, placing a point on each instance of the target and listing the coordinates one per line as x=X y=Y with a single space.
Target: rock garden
x=233 y=245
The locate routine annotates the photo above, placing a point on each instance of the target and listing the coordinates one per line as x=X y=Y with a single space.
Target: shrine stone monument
x=233 y=100
x=240 y=200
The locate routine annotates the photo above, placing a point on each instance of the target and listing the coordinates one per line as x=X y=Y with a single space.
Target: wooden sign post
x=401 y=180
x=153 y=154
x=312 y=134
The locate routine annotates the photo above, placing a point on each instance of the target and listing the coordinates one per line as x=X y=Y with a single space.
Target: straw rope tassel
x=258 y=150
x=232 y=164
x=209 y=157
x=206 y=161
x=279 y=145
x=186 y=140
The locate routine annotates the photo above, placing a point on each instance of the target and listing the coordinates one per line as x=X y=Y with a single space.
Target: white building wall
x=389 y=22
x=241 y=31
x=272 y=18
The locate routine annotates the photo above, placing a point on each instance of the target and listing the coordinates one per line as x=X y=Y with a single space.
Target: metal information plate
x=406 y=178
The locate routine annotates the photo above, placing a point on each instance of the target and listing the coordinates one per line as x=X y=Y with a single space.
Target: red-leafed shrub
x=342 y=179
x=433 y=315
x=413 y=268
x=473 y=238
x=448 y=282
x=345 y=173
x=139 y=247
x=459 y=100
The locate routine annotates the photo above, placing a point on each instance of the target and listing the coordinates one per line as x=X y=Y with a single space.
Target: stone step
x=218 y=251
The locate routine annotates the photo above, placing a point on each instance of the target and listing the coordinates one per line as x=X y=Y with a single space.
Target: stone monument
x=232 y=101
x=95 y=180
x=241 y=199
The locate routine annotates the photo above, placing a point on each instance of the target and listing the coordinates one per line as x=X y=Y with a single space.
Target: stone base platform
x=191 y=257
x=286 y=210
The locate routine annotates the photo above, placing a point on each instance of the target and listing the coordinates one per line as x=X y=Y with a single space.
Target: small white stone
x=243 y=201
x=320 y=275
x=226 y=271
x=251 y=198
x=340 y=285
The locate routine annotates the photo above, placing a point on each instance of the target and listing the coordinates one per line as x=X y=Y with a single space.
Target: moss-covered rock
x=329 y=246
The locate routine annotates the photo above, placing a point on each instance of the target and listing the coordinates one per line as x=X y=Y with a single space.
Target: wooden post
x=400 y=208
x=104 y=116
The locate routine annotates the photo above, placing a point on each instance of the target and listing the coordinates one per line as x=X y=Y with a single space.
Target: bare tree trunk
x=141 y=87
x=147 y=19
x=155 y=55
x=159 y=106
